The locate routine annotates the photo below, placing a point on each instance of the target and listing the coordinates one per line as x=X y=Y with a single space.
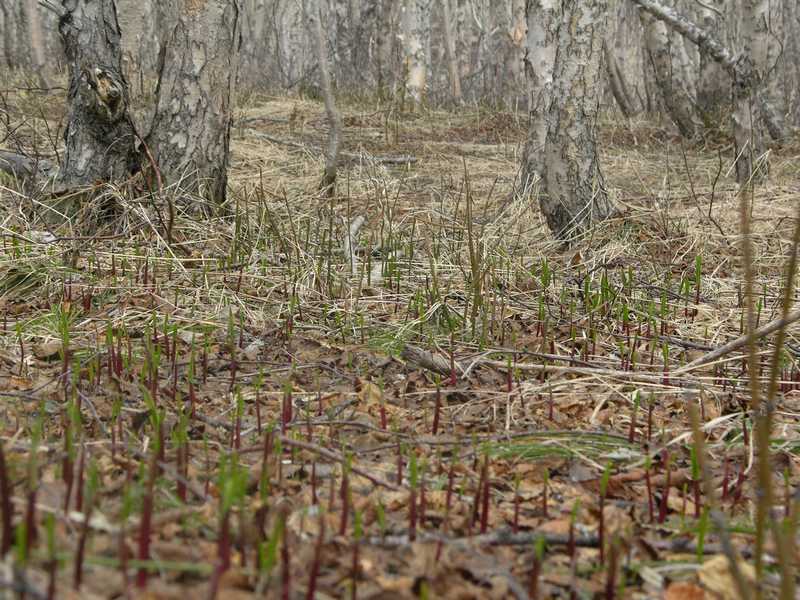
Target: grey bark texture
x=99 y=137
x=190 y=134
x=453 y=71
x=574 y=193
x=671 y=83
x=36 y=41
x=616 y=80
x=328 y=184
x=713 y=83
x=749 y=99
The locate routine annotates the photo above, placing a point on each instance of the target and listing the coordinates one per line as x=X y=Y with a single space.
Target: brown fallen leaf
x=48 y=350
x=683 y=590
x=716 y=577
x=370 y=393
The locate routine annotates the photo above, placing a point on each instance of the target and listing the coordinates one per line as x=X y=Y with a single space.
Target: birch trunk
x=791 y=61
x=315 y=15
x=616 y=80
x=748 y=96
x=416 y=40
x=543 y=23
x=99 y=137
x=758 y=41
x=519 y=29
x=750 y=148
x=453 y=70
x=13 y=26
x=190 y=135
x=36 y=40
x=575 y=195
x=674 y=94
x=713 y=84
x=385 y=43
x=500 y=51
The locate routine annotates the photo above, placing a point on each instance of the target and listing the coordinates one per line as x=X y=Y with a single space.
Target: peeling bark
x=99 y=137
x=190 y=134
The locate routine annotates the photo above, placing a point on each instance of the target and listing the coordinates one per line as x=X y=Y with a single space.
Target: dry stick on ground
x=439 y=364
x=328 y=184
x=740 y=342
x=506 y=537
x=402 y=159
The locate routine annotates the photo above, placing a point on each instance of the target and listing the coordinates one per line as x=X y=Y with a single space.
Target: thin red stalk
x=79 y=493
x=146 y=523
x=30 y=520
x=224 y=542
x=286 y=571
x=436 y=409
x=412 y=515
x=5 y=500
x=485 y=508
x=536 y=571
x=81 y=551
x=662 y=511
x=317 y=560
x=354 y=571
x=344 y=494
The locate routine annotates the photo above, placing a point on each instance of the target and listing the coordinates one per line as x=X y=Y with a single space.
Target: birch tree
x=36 y=37
x=453 y=70
x=416 y=30
x=670 y=78
x=748 y=96
x=565 y=52
x=713 y=83
x=543 y=22
x=99 y=137
x=190 y=134
x=575 y=196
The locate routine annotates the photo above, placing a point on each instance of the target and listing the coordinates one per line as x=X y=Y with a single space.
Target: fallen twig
x=739 y=342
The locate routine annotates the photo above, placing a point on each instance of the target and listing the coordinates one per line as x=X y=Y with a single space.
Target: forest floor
x=444 y=404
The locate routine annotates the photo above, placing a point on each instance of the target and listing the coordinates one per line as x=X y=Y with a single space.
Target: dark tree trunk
x=100 y=138
x=190 y=134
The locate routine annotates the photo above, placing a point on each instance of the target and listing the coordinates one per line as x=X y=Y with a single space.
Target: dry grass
x=269 y=292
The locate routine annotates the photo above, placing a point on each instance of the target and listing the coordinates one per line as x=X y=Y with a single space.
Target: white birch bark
x=453 y=70
x=575 y=195
x=190 y=135
x=749 y=97
x=543 y=22
x=791 y=60
x=385 y=44
x=416 y=29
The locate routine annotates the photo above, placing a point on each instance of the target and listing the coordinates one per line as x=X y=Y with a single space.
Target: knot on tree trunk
x=106 y=94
